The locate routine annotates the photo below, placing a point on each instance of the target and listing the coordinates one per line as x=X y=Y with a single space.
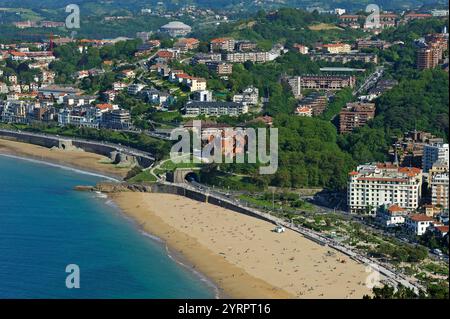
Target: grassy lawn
x=165 y=116
x=170 y=166
x=436 y=269
x=143 y=177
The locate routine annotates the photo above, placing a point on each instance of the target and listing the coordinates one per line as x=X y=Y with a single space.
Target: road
x=370 y=81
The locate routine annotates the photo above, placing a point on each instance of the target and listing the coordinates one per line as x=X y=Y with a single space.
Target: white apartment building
x=439 y=190
x=197 y=84
x=195 y=108
x=134 y=89
x=203 y=96
x=241 y=57
x=418 y=224
x=250 y=96
x=373 y=185
x=433 y=153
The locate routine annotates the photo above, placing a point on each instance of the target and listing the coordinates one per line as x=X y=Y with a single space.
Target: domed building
x=176 y=29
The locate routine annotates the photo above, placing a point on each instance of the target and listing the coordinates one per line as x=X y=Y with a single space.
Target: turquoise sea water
x=46 y=225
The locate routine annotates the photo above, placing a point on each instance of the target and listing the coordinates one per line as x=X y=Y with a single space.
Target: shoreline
x=84 y=162
x=176 y=257
x=249 y=260
x=226 y=289
x=228 y=276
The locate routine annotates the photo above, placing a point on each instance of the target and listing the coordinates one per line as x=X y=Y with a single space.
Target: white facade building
x=195 y=108
x=418 y=224
x=134 y=89
x=433 y=153
x=250 y=96
x=373 y=185
x=391 y=216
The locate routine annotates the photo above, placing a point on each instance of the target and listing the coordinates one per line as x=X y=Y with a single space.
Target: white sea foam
x=202 y=277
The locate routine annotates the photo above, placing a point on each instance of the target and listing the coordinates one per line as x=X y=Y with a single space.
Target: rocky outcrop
x=106 y=187
x=82 y=188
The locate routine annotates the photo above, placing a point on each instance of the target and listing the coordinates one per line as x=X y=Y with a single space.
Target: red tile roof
x=420 y=218
x=104 y=106
x=221 y=40
x=164 y=54
x=396 y=208
x=442 y=229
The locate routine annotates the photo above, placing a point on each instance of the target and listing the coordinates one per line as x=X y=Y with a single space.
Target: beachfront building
x=373 y=185
x=79 y=116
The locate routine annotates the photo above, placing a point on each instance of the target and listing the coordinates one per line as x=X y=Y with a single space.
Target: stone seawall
x=49 y=141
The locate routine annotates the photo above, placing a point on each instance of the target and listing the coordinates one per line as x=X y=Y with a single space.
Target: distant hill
x=350 y=5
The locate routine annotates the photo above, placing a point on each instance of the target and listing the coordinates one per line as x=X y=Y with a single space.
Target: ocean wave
x=153 y=237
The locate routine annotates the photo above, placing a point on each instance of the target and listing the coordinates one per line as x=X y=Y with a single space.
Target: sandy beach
x=241 y=254
x=74 y=158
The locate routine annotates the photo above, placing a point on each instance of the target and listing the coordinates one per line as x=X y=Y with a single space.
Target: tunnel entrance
x=192 y=177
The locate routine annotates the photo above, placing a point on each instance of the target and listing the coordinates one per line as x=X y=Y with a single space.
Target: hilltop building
x=327 y=82
x=355 y=115
x=176 y=29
